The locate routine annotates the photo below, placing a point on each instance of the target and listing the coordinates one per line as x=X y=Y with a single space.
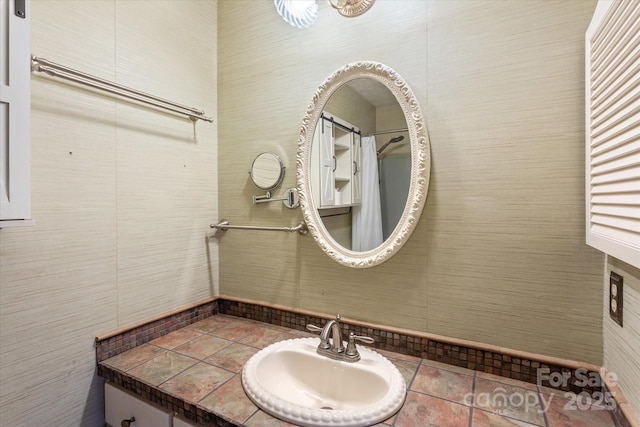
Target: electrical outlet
x=615 y=297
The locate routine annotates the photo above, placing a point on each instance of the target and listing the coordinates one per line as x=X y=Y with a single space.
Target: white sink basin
x=292 y=382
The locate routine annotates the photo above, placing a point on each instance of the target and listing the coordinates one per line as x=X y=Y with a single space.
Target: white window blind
x=613 y=130
x=15 y=100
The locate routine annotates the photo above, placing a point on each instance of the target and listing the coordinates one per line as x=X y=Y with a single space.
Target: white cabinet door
x=15 y=102
x=119 y=405
x=356 y=177
x=327 y=165
x=179 y=422
x=612 y=137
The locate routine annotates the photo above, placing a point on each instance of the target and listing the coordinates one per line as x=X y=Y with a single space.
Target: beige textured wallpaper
x=348 y=105
x=123 y=195
x=499 y=254
x=122 y=199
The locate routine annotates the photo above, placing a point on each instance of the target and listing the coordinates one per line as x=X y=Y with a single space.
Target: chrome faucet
x=332 y=327
x=331 y=344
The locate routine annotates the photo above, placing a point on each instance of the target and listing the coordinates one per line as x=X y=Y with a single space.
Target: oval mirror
x=267 y=171
x=363 y=164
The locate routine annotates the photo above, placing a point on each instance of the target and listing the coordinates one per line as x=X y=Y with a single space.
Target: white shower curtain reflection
x=367 y=218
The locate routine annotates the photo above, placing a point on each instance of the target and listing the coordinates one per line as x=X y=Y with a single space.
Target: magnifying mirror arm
x=289 y=199
x=263 y=199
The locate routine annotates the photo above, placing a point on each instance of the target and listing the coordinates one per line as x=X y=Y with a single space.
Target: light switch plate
x=615 y=297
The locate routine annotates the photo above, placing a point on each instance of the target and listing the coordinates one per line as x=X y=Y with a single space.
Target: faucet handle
x=313 y=328
x=351 y=346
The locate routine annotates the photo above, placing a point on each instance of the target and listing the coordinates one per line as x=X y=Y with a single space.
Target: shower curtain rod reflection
x=382 y=132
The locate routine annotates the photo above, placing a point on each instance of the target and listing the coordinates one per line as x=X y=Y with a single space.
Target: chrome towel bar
x=42 y=65
x=224 y=225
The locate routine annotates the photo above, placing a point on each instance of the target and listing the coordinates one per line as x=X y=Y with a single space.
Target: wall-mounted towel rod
x=42 y=65
x=224 y=225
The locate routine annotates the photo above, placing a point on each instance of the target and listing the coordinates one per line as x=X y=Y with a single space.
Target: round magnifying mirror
x=267 y=171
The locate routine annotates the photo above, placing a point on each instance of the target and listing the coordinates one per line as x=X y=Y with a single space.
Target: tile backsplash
x=489 y=361
x=113 y=344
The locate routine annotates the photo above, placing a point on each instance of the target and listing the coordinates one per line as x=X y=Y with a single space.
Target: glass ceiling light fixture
x=303 y=13
x=299 y=13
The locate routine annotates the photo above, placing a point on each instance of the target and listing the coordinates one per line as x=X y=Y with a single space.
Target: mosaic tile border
x=466 y=357
x=139 y=335
x=490 y=362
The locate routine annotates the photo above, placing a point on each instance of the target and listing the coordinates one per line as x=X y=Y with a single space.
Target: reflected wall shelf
x=336 y=163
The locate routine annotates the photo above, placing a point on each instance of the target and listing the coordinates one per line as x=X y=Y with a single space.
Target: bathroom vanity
x=186 y=367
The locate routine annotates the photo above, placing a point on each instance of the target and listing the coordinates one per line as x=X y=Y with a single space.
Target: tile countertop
x=201 y=364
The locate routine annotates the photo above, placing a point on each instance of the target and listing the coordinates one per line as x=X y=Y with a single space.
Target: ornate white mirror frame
x=420 y=164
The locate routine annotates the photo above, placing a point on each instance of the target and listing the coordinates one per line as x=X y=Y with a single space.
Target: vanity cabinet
x=179 y=422
x=120 y=406
x=336 y=162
